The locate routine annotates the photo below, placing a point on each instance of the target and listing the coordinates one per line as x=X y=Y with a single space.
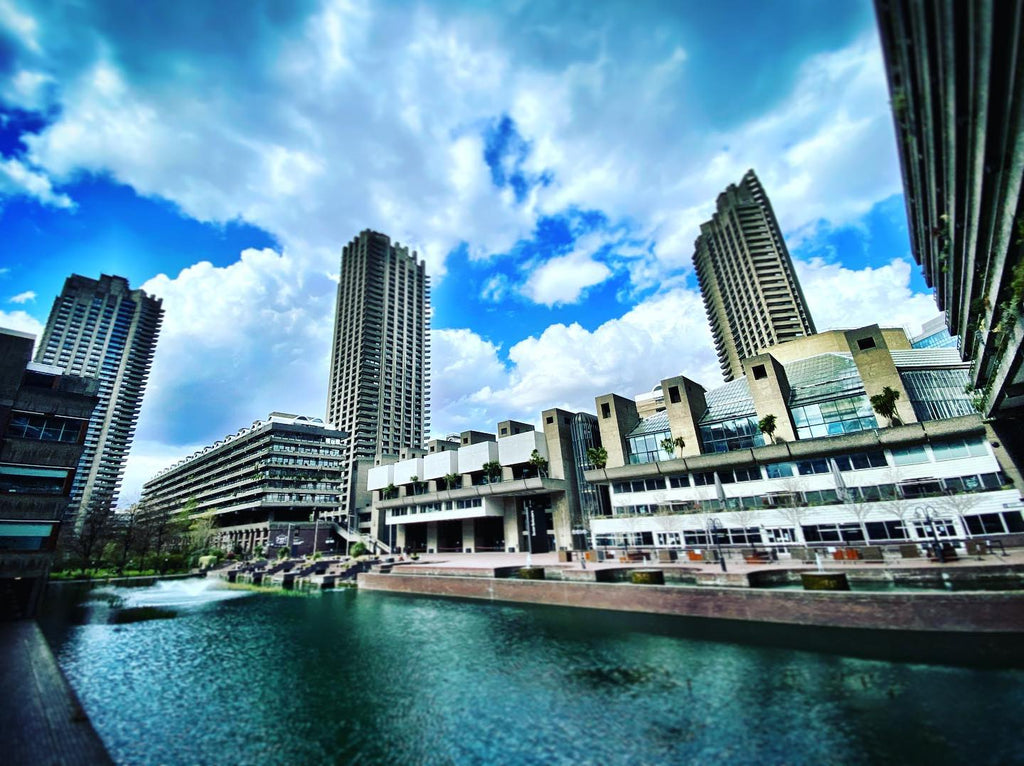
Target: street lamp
x=930 y=518
x=714 y=528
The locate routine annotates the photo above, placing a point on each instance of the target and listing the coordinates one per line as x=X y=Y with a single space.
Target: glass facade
x=840 y=416
x=727 y=435
x=644 y=441
x=938 y=394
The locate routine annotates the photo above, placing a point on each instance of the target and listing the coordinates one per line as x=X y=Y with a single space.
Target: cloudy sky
x=551 y=162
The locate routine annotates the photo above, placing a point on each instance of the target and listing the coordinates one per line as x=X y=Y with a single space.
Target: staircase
x=354 y=536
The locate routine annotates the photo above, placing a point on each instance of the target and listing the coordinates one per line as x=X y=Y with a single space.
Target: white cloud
x=22 y=322
x=17 y=179
x=568 y=365
x=839 y=297
x=238 y=342
x=25 y=297
x=564 y=278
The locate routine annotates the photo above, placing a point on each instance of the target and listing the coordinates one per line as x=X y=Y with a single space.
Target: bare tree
x=958 y=505
x=89 y=538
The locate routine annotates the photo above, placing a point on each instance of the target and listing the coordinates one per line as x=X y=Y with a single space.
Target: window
x=46 y=428
x=886 y=530
x=860 y=460
x=779 y=470
x=549 y=419
x=909 y=456
x=747 y=474
x=960 y=448
x=679 y=481
x=646 y=448
x=39 y=481
x=667 y=538
x=865 y=343
x=760 y=373
x=673 y=394
x=833 y=418
x=809 y=467
x=606 y=410
x=727 y=435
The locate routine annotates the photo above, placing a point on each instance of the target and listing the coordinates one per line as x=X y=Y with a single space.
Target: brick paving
x=41 y=720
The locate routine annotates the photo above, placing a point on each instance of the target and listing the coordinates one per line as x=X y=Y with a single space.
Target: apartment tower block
x=380 y=361
x=101 y=328
x=751 y=293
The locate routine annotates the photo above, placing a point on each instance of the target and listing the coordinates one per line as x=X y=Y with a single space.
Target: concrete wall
x=380 y=476
x=473 y=456
x=440 y=464
x=975 y=612
x=616 y=417
x=517 y=449
x=683 y=415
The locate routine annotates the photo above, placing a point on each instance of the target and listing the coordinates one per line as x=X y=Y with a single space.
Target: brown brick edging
x=960 y=612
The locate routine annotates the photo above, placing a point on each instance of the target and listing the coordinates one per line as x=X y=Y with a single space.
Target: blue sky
x=550 y=162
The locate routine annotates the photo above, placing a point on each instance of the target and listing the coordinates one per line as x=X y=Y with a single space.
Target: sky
x=550 y=162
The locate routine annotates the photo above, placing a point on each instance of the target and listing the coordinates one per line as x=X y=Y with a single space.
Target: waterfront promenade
x=41 y=720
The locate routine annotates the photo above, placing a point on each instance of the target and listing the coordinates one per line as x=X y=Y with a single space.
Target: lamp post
x=928 y=516
x=714 y=528
x=316 y=527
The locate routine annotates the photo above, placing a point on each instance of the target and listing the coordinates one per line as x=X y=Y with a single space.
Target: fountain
x=822 y=580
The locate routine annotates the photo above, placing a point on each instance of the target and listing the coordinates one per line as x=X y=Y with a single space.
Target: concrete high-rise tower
x=751 y=292
x=380 y=361
x=103 y=329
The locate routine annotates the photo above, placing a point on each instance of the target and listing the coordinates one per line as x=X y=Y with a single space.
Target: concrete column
x=561 y=522
x=432 y=536
x=685 y=405
x=513 y=526
x=874 y=363
x=769 y=388
x=616 y=417
x=468 y=535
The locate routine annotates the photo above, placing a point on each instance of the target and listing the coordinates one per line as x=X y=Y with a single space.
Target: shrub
x=359 y=549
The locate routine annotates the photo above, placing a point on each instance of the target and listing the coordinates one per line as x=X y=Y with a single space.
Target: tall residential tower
x=103 y=329
x=751 y=293
x=380 y=361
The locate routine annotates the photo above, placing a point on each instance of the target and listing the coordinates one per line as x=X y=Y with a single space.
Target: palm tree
x=492 y=470
x=452 y=480
x=669 y=446
x=885 y=404
x=767 y=425
x=597 y=456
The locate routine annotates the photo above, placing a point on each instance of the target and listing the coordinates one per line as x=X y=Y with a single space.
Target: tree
x=680 y=442
x=767 y=426
x=452 y=481
x=358 y=549
x=884 y=404
x=492 y=471
x=539 y=464
x=669 y=446
x=128 y=534
x=88 y=538
x=597 y=456
x=390 y=492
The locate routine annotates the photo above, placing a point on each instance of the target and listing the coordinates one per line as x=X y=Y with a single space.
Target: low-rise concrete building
x=518 y=491
x=794 y=453
x=260 y=485
x=44 y=417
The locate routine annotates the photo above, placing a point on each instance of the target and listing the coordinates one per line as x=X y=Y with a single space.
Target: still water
x=228 y=676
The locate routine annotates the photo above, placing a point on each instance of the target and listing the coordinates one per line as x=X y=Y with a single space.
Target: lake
x=344 y=677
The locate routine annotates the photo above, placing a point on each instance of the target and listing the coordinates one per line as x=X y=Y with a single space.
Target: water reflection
x=377 y=678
